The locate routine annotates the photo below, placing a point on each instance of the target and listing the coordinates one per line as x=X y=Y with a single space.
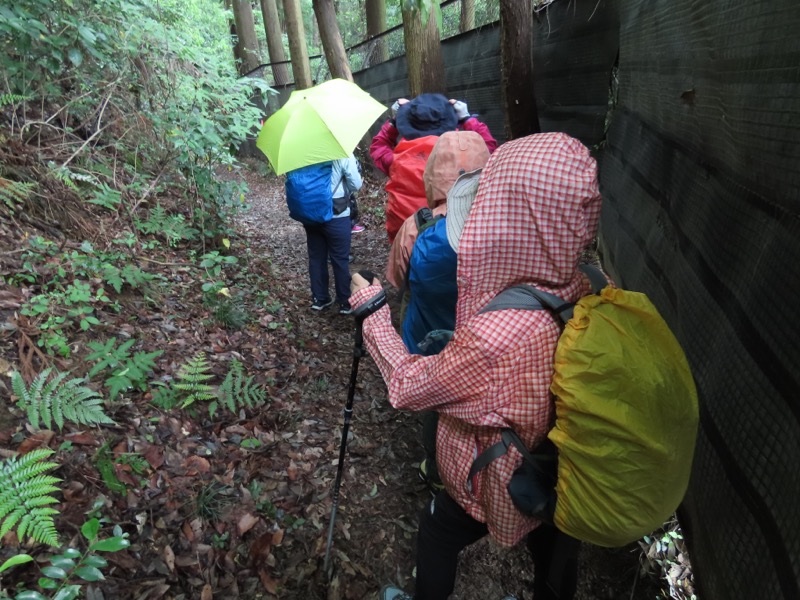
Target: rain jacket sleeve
x=351 y=175
x=345 y=177
x=400 y=253
x=382 y=148
x=419 y=383
x=473 y=124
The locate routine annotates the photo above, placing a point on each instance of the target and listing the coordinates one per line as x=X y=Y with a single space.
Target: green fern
x=55 y=400
x=238 y=391
x=25 y=495
x=191 y=377
x=6 y=99
x=14 y=193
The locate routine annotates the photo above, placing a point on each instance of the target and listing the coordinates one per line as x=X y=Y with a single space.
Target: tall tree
x=516 y=58
x=235 y=42
x=331 y=38
x=376 y=25
x=272 y=28
x=423 y=52
x=467 y=20
x=246 y=30
x=301 y=68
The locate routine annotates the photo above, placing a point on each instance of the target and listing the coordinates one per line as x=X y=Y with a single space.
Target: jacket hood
x=537 y=208
x=455 y=153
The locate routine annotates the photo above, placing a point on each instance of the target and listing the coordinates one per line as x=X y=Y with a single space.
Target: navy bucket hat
x=427 y=114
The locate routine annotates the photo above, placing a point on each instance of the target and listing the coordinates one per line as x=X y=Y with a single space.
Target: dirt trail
x=381 y=495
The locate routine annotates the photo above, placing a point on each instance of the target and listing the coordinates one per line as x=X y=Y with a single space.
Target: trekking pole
x=361 y=313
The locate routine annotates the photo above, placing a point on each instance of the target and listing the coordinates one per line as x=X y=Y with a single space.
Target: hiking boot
x=357 y=228
x=320 y=304
x=430 y=479
x=344 y=309
x=389 y=592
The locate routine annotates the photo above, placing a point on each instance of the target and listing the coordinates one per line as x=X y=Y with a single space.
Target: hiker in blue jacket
x=332 y=240
x=424 y=257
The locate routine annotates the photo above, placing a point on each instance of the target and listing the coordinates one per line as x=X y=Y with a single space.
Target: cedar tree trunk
x=246 y=30
x=272 y=27
x=376 y=25
x=297 y=44
x=516 y=58
x=332 y=40
x=423 y=53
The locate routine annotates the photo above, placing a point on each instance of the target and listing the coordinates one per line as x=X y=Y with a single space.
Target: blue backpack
x=431 y=309
x=308 y=194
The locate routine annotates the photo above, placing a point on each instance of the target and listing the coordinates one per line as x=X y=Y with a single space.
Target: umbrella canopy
x=318 y=124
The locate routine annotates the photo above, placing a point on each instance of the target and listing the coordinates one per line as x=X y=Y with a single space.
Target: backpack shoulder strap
x=596 y=277
x=424 y=218
x=527 y=297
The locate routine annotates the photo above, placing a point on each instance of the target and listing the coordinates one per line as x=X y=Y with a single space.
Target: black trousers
x=445 y=529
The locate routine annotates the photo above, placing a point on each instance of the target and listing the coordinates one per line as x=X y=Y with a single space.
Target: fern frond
x=238 y=390
x=25 y=495
x=68 y=177
x=190 y=380
x=6 y=99
x=14 y=193
x=55 y=400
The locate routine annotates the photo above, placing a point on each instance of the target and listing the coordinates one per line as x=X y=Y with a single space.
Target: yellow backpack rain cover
x=626 y=420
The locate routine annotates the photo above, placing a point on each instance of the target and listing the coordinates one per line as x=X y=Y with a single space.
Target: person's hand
x=359 y=283
x=462 y=112
x=397 y=104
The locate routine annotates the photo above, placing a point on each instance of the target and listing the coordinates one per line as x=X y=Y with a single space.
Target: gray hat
x=459 y=203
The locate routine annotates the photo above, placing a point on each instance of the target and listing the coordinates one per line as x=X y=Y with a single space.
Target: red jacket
x=405 y=188
x=383 y=144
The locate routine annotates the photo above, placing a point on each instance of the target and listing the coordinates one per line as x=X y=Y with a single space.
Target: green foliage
x=173 y=228
x=228 y=310
x=213 y=262
x=14 y=193
x=9 y=99
x=72 y=564
x=106 y=197
x=164 y=397
x=55 y=400
x=191 y=380
x=127 y=371
x=211 y=501
x=104 y=461
x=153 y=83
x=238 y=390
x=56 y=310
x=25 y=495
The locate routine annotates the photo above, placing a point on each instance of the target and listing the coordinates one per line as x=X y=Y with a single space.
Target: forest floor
x=238 y=505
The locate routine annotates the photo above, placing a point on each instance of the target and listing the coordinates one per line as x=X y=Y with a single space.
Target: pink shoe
x=357 y=228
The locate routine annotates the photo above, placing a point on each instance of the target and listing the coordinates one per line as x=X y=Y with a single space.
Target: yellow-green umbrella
x=318 y=124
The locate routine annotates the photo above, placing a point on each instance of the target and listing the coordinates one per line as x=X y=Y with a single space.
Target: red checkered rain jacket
x=537 y=208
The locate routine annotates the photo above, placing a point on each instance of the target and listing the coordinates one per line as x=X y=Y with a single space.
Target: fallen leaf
x=154 y=455
x=270 y=584
x=169 y=557
x=207 y=593
x=83 y=438
x=277 y=537
x=37 y=440
x=196 y=464
x=246 y=523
